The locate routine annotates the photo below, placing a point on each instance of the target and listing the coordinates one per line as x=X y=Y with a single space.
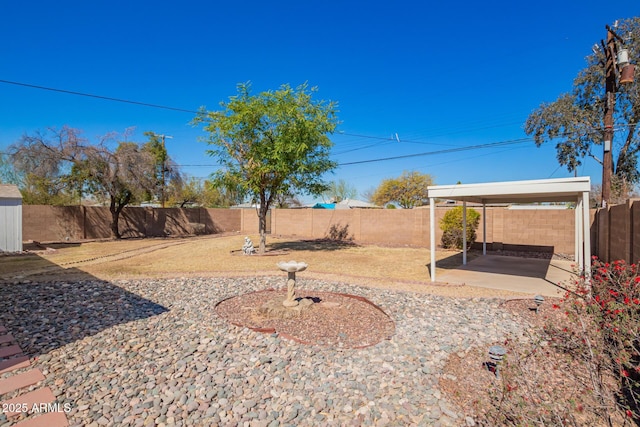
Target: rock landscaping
x=156 y=352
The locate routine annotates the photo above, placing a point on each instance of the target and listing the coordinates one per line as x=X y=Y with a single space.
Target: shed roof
x=9 y=191
x=543 y=190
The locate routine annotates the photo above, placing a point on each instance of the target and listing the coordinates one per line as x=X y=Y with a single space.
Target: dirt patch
x=214 y=255
x=332 y=319
x=547 y=379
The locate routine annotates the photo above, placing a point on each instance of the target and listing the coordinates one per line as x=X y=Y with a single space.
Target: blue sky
x=441 y=76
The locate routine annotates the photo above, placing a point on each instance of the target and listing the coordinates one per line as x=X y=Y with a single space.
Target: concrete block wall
x=389 y=226
x=292 y=222
x=552 y=230
x=248 y=221
x=635 y=232
x=217 y=220
x=618 y=232
x=375 y=226
x=615 y=230
x=541 y=228
x=56 y=223
x=47 y=223
x=97 y=223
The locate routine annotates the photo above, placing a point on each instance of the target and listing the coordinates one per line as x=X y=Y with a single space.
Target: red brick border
x=14 y=361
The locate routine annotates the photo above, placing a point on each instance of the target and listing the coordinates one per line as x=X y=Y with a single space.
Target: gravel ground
x=153 y=352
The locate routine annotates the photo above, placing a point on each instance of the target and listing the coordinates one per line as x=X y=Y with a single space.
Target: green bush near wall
x=451 y=226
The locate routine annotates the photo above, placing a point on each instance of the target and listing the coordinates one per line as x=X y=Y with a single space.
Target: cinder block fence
x=615 y=231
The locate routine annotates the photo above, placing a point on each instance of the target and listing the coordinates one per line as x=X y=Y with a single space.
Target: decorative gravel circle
x=334 y=319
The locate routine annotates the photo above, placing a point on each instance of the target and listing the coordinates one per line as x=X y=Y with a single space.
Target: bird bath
x=291 y=267
x=315 y=317
x=287 y=306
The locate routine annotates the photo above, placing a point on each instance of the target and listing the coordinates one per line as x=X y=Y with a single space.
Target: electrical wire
x=107 y=98
x=449 y=150
x=182 y=110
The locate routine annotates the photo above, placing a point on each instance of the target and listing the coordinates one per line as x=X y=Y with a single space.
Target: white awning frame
x=545 y=190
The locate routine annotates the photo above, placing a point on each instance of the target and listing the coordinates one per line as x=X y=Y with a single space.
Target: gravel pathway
x=153 y=352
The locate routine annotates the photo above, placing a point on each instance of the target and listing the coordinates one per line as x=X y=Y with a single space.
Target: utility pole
x=164 y=168
x=609 y=106
x=616 y=65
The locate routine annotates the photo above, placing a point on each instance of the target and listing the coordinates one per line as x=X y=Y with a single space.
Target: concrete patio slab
x=528 y=275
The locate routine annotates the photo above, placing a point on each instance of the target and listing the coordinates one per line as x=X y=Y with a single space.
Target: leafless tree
x=117 y=176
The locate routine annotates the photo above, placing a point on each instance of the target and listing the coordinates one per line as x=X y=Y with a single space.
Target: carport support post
x=586 y=239
x=484 y=229
x=432 y=236
x=464 y=233
x=579 y=255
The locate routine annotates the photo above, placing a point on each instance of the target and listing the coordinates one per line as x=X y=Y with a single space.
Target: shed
x=10 y=218
x=574 y=190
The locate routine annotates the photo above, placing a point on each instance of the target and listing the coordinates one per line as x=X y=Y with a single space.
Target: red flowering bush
x=611 y=301
x=592 y=346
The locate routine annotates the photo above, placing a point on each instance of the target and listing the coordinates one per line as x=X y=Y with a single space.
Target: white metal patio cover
x=544 y=190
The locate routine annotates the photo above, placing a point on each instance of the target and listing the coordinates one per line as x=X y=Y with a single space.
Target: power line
x=144 y=104
x=182 y=110
x=107 y=98
x=449 y=150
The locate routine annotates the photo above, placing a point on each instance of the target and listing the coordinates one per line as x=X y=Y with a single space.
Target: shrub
x=613 y=306
x=595 y=339
x=339 y=233
x=451 y=226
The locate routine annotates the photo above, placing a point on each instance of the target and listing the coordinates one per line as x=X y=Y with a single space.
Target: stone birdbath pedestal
x=291 y=267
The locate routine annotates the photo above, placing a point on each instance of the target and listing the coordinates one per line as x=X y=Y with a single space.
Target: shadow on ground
x=43 y=312
x=539 y=275
x=453 y=261
x=509 y=265
x=312 y=245
x=37 y=246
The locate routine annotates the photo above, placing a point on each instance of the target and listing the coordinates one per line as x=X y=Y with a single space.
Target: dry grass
x=386 y=267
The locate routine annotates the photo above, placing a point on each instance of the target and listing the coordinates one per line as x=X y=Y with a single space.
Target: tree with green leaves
x=340 y=190
x=191 y=191
x=574 y=122
x=122 y=176
x=408 y=190
x=216 y=196
x=167 y=173
x=187 y=191
x=8 y=174
x=272 y=143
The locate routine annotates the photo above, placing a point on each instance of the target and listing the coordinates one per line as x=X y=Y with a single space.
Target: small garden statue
x=247 y=248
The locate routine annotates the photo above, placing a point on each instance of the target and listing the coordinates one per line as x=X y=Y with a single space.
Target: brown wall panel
x=55 y=223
